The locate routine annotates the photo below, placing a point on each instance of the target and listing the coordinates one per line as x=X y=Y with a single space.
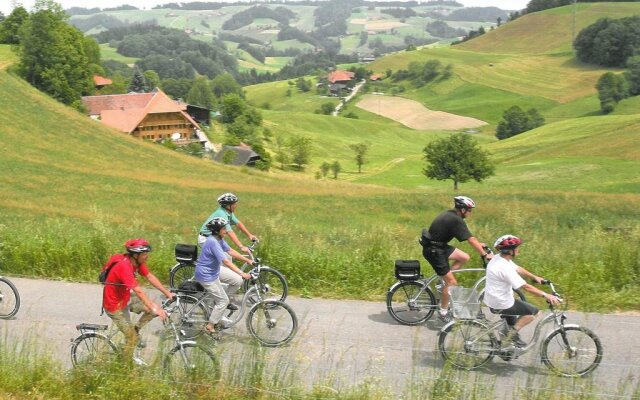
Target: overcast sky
x=7 y=5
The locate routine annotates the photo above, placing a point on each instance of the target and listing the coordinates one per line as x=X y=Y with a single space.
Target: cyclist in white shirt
x=504 y=276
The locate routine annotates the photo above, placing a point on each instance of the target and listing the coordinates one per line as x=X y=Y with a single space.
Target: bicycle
x=568 y=350
x=271 y=322
x=273 y=280
x=185 y=360
x=9 y=299
x=413 y=299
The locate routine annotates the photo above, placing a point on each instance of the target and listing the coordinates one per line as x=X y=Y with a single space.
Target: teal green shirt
x=220 y=212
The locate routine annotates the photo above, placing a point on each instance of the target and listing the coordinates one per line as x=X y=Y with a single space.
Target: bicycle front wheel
x=189 y=314
x=191 y=362
x=90 y=349
x=271 y=284
x=467 y=344
x=181 y=273
x=411 y=303
x=272 y=322
x=9 y=299
x=572 y=351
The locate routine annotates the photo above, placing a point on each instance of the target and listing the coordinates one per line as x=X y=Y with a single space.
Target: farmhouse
x=152 y=116
x=242 y=155
x=339 y=80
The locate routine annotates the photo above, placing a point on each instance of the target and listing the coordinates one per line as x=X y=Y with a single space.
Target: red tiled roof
x=375 y=77
x=126 y=111
x=339 y=76
x=101 y=80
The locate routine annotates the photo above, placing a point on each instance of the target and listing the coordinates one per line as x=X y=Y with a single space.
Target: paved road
x=340 y=343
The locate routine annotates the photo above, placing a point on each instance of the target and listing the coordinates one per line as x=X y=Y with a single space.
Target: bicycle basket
x=408 y=270
x=465 y=302
x=186 y=253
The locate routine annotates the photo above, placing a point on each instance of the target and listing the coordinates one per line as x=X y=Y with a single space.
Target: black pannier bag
x=186 y=253
x=193 y=288
x=408 y=270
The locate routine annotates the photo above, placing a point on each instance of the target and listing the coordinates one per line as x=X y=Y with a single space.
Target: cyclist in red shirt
x=120 y=282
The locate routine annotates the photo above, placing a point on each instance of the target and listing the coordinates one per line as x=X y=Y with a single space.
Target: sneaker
x=445 y=317
x=225 y=322
x=141 y=344
x=139 y=361
x=515 y=339
x=511 y=336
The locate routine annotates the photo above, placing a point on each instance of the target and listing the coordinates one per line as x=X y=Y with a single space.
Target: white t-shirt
x=502 y=278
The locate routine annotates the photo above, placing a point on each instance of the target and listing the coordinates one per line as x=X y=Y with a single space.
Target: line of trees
x=515 y=121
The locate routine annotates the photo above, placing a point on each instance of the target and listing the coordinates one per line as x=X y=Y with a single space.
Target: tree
x=336 y=168
x=303 y=85
x=281 y=150
x=515 y=121
x=224 y=84
x=52 y=55
x=361 y=150
x=231 y=107
x=138 y=84
x=324 y=169
x=633 y=75
x=300 y=150
x=459 y=158
x=327 y=108
x=200 y=93
x=611 y=89
x=11 y=26
x=152 y=78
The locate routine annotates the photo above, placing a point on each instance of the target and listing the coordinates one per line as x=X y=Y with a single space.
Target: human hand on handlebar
x=551 y=299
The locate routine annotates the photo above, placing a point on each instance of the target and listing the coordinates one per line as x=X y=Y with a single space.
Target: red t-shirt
x=120 y=281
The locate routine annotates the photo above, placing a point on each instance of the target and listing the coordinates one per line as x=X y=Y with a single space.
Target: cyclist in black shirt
x=437 y=251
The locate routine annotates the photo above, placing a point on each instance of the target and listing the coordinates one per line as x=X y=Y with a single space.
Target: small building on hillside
x=100 y=81
x=242 y=155
x=151 y=116
x=340 y=80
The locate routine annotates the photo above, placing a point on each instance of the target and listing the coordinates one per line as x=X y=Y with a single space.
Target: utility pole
x=573 y=30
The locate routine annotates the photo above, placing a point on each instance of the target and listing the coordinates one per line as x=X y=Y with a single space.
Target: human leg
x=517 y=317
x=233 y=280
x=459 y=258
x=122 y=319
x=136 y=306
x=217 y=299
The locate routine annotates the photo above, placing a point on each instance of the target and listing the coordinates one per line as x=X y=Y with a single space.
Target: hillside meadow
x=74 y=191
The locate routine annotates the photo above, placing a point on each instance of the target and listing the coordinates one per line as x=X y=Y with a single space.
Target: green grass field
x=109 y=53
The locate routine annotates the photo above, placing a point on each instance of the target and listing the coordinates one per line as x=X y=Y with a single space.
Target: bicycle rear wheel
x=9 y=299
x=467 y=344
x=90 y=349
x=181 y=273
x=271 y=284
x=572 y=351
x=411 y=303
x=189 y=315
x=272 y=322
x=191 y=362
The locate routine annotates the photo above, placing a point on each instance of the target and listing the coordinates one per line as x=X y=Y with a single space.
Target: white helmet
x=463 y=202
x=227 y=198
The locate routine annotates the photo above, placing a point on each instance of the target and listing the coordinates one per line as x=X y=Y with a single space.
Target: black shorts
x=438 y=257
x=517 y=310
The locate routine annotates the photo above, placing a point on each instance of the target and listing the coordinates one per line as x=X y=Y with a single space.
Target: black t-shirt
x=449 y=225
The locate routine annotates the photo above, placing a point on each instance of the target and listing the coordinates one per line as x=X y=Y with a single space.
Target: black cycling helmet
x=216 y=224
x=463 y=202
x=227 y=198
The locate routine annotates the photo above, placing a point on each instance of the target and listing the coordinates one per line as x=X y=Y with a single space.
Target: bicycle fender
x=395 y=285
x=446 y=327
x=557 y=329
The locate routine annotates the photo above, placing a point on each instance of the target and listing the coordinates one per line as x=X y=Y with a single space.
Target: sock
x=443 y=311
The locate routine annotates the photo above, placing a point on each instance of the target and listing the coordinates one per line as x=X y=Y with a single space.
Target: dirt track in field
x=414 y=115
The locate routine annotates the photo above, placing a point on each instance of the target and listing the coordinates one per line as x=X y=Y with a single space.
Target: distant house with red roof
x=152 y=116
x=339 y=80
x=100 y=81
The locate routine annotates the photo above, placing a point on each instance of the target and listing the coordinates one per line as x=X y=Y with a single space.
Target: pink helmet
x=137 y=246
x=507 y=242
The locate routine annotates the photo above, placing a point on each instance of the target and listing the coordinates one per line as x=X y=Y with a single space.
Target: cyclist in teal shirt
x=228 y=204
